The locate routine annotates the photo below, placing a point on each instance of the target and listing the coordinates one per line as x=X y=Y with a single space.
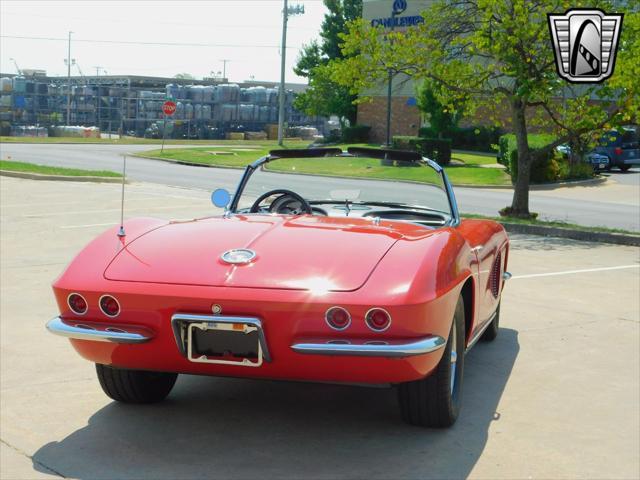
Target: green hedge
x=552 y=168
x=478 y=139
x=434 y=148
x=356 y=134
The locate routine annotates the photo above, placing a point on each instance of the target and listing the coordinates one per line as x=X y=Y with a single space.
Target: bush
x=479 y=139
x=356 y=134
x=552 y=168
x=434 y=148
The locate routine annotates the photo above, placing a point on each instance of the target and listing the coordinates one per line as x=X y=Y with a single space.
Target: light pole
x=224 y=69
x=69 y=81
x=286 y=11
x=389 y=86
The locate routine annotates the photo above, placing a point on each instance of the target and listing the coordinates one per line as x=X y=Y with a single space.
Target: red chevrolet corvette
x=302 y=278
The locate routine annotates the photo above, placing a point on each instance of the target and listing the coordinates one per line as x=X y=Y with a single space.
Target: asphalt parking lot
x=557 y=395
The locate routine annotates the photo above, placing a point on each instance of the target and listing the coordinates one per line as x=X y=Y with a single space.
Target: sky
x=132 y=37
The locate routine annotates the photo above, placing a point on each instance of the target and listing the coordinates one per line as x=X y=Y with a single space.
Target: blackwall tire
x=435 y=400
x=490 y=334
x=135 y=386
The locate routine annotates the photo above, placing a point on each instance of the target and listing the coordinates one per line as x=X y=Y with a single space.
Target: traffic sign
x=169 y=107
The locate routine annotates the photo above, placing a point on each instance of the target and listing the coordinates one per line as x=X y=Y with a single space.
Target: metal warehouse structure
x=133 y=104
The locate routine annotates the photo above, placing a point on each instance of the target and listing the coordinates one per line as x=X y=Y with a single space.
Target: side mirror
x=221 y=198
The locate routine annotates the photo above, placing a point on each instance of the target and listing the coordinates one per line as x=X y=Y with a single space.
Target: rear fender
x=87 y=267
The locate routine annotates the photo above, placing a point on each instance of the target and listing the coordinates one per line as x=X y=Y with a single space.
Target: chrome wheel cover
x=454 y=356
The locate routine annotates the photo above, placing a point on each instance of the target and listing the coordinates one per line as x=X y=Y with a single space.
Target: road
x=556 y=395
x=615 y=204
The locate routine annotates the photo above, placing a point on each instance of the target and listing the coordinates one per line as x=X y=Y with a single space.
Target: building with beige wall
x=405 y=116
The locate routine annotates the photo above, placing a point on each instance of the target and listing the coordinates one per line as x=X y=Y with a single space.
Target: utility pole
x=286 y=11
x=69 y=81
x=224 y=69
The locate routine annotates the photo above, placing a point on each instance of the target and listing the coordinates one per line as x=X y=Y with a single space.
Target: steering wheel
x=282 y=201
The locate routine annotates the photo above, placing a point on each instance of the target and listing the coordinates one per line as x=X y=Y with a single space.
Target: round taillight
x=109 y=306
x=338 y=318
x=77 y=304
x=378 y=319
x=618 y=151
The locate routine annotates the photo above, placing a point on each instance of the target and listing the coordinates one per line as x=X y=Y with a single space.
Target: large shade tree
x=498 y=55
x=325 y=97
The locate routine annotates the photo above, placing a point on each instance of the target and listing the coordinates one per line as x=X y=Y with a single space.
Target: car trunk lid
x=306 y=252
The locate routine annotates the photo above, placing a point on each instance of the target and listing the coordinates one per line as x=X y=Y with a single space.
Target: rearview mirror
x=221 y=198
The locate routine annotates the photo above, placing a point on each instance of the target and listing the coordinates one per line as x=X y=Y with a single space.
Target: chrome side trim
x=372 y=348
x=85 y=332
x=479 y=333
x=181 y=321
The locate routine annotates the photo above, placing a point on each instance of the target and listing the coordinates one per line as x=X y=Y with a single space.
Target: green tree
x=324 y=96
x=443 y=115
x=498 y=54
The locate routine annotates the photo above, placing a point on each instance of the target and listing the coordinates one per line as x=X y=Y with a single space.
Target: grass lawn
x=45 y=170
x=549 y=223
x=233 y=157
x=473 y=159
x=469 y=174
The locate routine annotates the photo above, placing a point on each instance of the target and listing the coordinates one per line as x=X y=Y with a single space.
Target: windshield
x=351 y=186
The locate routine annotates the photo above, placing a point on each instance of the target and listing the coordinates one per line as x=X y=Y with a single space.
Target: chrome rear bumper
x=95 y=332
x=372 y=348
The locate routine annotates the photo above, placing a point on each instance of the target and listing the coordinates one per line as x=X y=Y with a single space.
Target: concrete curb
x=60 y=178
x=545 y=186
x=582 y=235
x=180 y=162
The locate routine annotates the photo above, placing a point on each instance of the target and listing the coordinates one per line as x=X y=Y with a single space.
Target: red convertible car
x=302 y=278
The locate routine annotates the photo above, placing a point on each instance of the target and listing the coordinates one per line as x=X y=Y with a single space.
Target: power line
x=161 y=44
x=177 y=24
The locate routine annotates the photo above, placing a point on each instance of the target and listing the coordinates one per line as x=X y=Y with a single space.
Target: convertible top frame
x=381 y=153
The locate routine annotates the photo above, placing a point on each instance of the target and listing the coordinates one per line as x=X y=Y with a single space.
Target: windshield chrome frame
x=251 y=168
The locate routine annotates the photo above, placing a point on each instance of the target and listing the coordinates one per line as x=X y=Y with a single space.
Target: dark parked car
x=621 y=147
x=597 y=160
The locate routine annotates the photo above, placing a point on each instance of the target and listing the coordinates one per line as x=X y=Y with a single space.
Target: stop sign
x=169 y=107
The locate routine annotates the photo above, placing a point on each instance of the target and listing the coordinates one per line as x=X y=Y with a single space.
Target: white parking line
x=109 y=210
x=569 y=272
x=89 y=225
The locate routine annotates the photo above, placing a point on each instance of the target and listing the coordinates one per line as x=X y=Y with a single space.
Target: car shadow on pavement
x=235 y=428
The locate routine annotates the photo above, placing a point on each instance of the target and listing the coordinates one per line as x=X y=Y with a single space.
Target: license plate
x=601 y=165
x=224 y=343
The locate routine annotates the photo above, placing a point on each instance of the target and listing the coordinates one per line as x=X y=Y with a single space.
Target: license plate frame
x=241 y=327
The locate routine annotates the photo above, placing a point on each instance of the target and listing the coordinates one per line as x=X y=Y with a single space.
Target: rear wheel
x=490 y=334
x=135 y=386
x=435 y=400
